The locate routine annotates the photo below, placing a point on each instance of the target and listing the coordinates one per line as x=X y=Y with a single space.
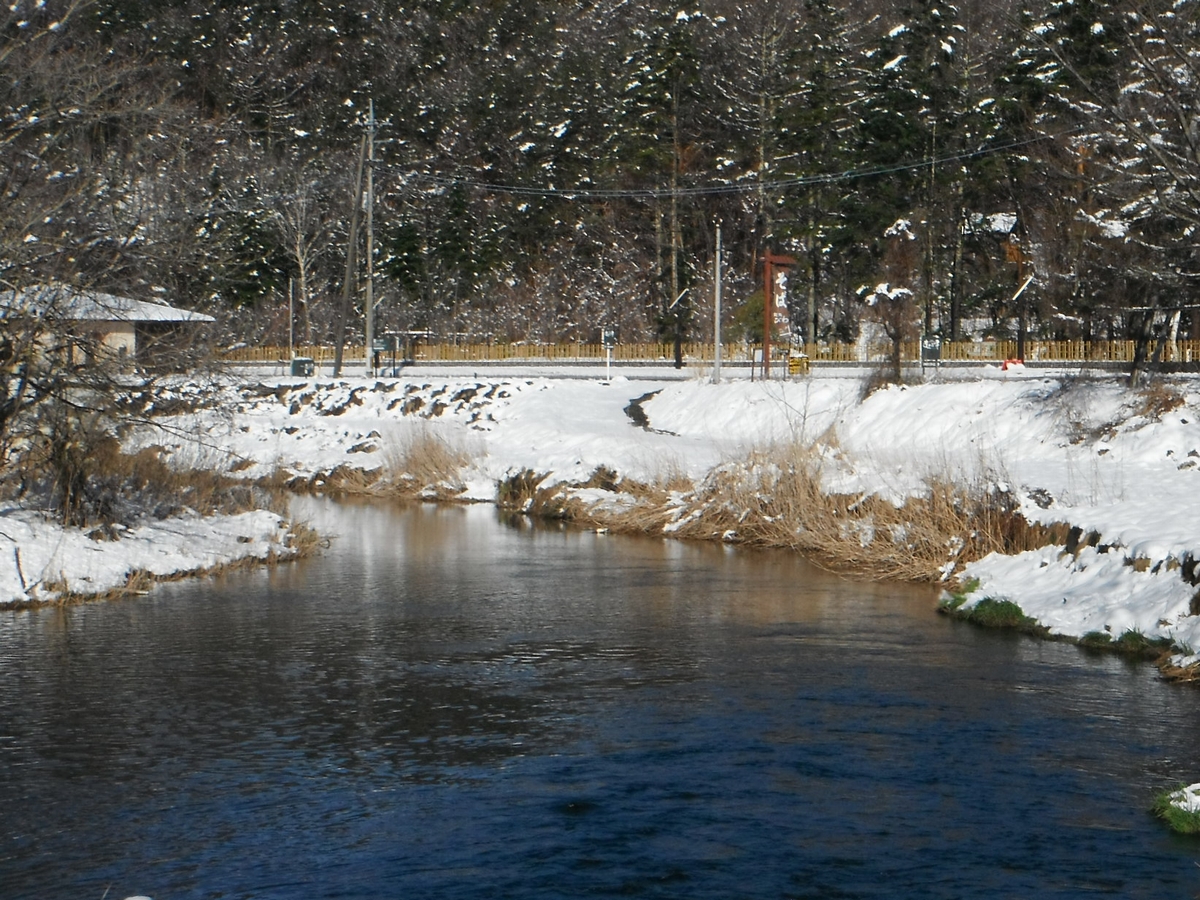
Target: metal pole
x=370 y=304
x=717 y=310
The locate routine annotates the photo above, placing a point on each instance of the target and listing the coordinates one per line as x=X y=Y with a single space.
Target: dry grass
x=877 y=378
x=343 y=480
x=1157 y=399
x=422 y=461
x=1178 y=674
x=117 y=487
x=419 y=462
x=426 y=457
x=525 y=492
x=637 y=507
x=775 y=499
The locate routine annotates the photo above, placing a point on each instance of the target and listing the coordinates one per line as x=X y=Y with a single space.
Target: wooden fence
x=702 y=354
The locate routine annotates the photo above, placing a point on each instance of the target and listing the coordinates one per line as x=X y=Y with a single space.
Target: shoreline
x=1070 y=497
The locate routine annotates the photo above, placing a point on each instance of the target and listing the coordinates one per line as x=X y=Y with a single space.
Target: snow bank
x=40 y=560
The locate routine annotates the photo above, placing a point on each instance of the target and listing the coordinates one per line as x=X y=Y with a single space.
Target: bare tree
x=892 y=302
x=300 y=216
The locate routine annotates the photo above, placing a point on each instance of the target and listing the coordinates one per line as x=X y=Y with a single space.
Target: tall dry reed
x=775 y=499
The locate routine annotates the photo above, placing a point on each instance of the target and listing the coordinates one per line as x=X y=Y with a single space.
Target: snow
x=39 y=560
x=1187 y=799
x=1002 y=223
x=1082 y=451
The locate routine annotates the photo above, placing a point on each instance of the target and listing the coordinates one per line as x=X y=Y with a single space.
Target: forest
x=540 y=170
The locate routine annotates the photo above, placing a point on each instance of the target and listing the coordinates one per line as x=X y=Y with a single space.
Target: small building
x=122 y=328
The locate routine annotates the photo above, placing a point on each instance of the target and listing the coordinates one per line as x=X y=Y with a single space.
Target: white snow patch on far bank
x=39 y=559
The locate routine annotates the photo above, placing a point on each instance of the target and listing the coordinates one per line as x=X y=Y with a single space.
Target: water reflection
x=442 y=706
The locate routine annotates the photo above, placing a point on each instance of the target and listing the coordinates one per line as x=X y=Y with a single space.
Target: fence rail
x=700 y=354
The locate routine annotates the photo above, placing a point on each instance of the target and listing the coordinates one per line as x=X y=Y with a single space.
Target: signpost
x=774 y=313
x=931 y=351
x=610 y=340
x=388 y=343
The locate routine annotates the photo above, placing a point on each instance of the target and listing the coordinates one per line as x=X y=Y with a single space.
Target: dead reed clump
x=420 y=462
x=115 y=489
x=635 y=507
x=1177 y=674
x=639 y=513
x=876 y=379
x=526 y=492
x=629 y=506
x=302 y=541
x=424 y=462
x=775 y=499
x=348 y=480
x=1157 y=399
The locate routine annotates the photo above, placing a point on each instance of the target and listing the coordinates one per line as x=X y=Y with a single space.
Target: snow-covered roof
x=90 y=306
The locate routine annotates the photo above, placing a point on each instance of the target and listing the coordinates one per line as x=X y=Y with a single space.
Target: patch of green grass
x=954 y=599
x=998 y=614
x=1179 y=820
x=1096 y=639
x=1134 y=643
x=951 y=602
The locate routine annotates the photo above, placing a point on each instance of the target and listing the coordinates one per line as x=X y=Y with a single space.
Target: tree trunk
x=1140 y=370
x=350 y=279
x=897 y=342
x=957 y=274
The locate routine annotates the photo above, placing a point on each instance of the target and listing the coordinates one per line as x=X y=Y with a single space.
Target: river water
x=443 y=705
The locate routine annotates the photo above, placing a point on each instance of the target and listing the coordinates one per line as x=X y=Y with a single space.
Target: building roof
x=90 y=306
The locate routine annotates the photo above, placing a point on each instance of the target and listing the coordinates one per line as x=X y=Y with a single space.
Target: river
x=446 y=705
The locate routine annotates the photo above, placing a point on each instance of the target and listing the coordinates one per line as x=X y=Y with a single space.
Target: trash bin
x=302 y=367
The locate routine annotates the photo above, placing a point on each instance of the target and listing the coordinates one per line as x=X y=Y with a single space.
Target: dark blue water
x=442 y=706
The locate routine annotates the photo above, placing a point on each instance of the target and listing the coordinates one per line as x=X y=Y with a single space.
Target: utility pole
x=717 y=310
x=370 y=301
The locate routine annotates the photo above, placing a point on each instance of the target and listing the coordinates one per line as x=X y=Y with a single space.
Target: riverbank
x=41 y=562
x=1068 y=495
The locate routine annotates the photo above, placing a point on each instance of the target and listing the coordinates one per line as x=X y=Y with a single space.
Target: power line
x=447 y=181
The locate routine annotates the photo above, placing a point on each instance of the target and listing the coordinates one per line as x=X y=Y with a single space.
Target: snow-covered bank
x=1118 y=468
x=40 y=561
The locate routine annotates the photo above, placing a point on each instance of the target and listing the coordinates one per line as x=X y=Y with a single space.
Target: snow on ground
x=1084 y=451
x=40 y=560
